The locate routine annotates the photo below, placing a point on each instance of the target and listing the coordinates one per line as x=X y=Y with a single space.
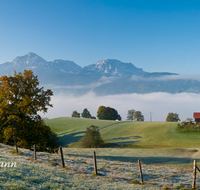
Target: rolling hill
x=145 y=134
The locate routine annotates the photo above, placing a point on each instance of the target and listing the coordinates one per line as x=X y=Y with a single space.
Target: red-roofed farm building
x=197 y=117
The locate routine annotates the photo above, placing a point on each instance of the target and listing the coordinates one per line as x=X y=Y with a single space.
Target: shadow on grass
x=70 y=138
x=66 y=132
x=65 y=140
x=144 y=160
x=125 y=138
x=121 y=144
x=113 y=124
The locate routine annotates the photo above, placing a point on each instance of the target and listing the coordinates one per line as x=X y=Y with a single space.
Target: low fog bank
x=159 y=103
x=166 y=77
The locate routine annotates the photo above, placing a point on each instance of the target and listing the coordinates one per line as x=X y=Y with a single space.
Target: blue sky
x=157 y=36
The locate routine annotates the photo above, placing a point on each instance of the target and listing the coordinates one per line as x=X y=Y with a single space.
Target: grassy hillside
x=146 y=134
x=63 y=124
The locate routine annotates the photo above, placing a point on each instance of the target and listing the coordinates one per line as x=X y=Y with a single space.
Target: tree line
x=108 y=113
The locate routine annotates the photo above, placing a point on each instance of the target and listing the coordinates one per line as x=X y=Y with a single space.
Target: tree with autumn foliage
x=138 y=116
x=172 y=117
x=21 y=99
x=108 y=113
x=75 y=114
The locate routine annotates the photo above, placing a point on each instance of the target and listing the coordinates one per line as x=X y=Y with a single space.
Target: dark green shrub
x=92 y=138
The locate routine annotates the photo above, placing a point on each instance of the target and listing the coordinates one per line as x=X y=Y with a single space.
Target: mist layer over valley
x=160 y=103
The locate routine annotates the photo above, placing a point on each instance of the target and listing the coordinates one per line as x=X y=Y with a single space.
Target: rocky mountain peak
x=29 y=59
x=114 y=67
x=65 y=66
x=39 y=66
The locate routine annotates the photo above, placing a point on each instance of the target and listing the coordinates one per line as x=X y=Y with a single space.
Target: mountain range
x=106 y=77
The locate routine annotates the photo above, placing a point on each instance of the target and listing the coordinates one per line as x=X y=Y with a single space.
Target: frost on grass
x=78 y=173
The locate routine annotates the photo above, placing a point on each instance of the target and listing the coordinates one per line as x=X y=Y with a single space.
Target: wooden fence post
x=34 y=152
x=61 y=155
x=194 y=175
x=95 y=163
x=141 y=177
x=15 y=143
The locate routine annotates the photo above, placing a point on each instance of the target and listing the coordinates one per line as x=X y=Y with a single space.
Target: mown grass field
x=145 y=134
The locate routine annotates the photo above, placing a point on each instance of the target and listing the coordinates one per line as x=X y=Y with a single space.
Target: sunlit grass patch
x=80 y=171
x=15 y=152
x=52 y=163
x=28 y=158
x=135 y=182
x=67 y=168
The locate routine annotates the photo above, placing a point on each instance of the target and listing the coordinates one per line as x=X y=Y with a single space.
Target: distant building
x=197 y=117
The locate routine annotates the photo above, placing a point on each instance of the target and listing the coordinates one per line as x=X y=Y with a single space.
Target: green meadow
x=141 y=134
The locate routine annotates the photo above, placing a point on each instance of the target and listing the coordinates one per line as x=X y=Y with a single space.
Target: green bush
x=15 y=152
x=188 y=127
x=135 y=182
x=92 y=138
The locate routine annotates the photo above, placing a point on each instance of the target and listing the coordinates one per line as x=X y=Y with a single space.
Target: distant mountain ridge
x=114 y=67
x=32 y=61
x=38 y=65
x=108 y=76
